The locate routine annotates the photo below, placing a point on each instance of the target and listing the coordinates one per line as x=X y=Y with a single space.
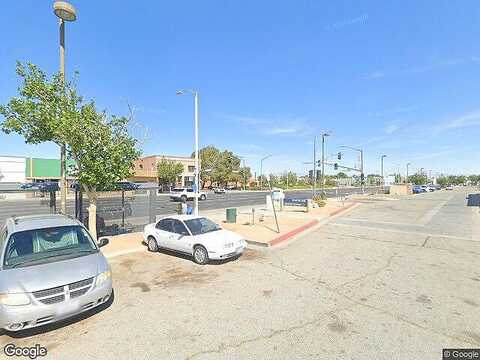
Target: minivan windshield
x=201 y=226
x=35 y=246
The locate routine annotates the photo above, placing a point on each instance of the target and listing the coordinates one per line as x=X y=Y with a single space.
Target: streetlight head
x=180 y=92
x=64 y=11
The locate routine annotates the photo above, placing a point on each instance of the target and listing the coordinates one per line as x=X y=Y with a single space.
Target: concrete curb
x=292 y=233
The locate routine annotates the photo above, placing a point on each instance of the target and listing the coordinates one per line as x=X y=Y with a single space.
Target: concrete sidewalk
x=263 y=232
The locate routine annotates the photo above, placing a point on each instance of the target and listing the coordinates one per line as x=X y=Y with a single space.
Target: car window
x=189 y=190
x=179 y=228
x=200 y=226
x=165 y=225
x=40 y=244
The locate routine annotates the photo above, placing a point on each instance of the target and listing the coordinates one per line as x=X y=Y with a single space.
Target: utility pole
x=406 y=179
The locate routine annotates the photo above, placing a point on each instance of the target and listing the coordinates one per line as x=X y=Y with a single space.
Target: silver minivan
x=50 y=269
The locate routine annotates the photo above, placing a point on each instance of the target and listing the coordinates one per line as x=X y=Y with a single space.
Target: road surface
x=387 y=280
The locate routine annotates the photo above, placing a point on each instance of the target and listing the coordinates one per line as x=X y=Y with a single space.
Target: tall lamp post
x=383 y=177
x=197 y=165
x=261 y=170
x=65 y=12
x=406 y=179
x=324 y=135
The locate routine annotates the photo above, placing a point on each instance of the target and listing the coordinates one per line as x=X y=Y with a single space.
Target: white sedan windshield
x=201 y=226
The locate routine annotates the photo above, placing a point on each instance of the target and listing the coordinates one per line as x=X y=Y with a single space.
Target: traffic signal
x=335 y=166
x=362 y=178
x=319 y=163
x=339 y=156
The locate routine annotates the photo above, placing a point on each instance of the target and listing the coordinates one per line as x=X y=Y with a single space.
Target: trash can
x=231 y=215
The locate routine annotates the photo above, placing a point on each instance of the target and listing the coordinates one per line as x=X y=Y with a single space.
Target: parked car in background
x=51 y=269
x=196 y=236
x=449 y=187
x=219 y=190
x=431 y=188
x=417 y=189
x=180 y=194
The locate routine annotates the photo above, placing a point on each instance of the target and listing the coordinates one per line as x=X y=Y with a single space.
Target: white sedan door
x=180 y=239
x=163 y=231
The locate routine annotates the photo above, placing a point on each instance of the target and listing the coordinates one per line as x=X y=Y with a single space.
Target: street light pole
x=197 y=160
x=261 y=170
x=324 y=135
x=65 y=12
x=406 y=179
x=314 y=174
x=383 y=177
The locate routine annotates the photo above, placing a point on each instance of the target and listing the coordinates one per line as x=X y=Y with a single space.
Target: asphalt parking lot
x=387 y=280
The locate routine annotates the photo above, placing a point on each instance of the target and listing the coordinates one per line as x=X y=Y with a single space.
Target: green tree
x=218 y=166
x=342 y=175
x=168 y=171
x=244 y=175
x=51 y=110
x=418 y=179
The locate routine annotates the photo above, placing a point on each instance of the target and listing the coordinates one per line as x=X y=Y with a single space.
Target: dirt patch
x=475 y=279
x=177 y=277
x=252 y=255
x=337 y=327
x=470 y=302
x=472 y=335
x=424 y=299
x=267 y=293
x=128 y=263
x=141 y=285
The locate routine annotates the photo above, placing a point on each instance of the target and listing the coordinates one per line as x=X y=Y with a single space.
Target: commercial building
x=12 y=169
x=20 y=169
x=145 y=169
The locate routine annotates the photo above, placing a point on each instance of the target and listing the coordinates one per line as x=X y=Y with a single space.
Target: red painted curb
x=292 y=233
x=338 y=211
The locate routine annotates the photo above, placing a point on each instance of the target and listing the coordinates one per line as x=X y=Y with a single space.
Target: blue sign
x=295 y=202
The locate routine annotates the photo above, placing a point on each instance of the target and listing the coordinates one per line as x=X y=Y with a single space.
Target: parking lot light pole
x=383 y=178
x=324 y=135
x=406 y=179
x=65 y=12
x=261 y=170
x=197 y=164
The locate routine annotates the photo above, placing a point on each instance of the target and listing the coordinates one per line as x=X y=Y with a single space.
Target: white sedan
x=197 y=236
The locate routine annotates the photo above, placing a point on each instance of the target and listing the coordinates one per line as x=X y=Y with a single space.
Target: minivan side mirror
x=102 y=242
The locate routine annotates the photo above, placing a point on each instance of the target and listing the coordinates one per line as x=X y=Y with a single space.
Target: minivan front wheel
x=152 y=244
x=200 y=255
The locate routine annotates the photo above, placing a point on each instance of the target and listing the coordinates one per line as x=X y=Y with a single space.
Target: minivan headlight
x=14 y=299
x=102 y=277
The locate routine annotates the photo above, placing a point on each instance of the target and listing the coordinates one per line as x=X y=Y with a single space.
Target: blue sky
x=397 y=77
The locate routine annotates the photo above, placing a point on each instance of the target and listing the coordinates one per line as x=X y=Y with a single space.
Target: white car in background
x=180 y=194
x=196 y=236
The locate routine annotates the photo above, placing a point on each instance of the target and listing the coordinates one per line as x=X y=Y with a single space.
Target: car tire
x=184 y=198
x=202 y=197
x=200 y=255
x=152 y=244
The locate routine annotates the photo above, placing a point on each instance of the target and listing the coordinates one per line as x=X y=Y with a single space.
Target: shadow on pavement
x=57 y=325
x=473 y=200
x=190 y=258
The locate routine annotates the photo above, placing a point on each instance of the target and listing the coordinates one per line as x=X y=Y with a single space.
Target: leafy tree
x=244 y=174
x=342 y=175
x=418 y=179
x=218 y=166
x=51 y=110
x=273 y=180
x=168 y=171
